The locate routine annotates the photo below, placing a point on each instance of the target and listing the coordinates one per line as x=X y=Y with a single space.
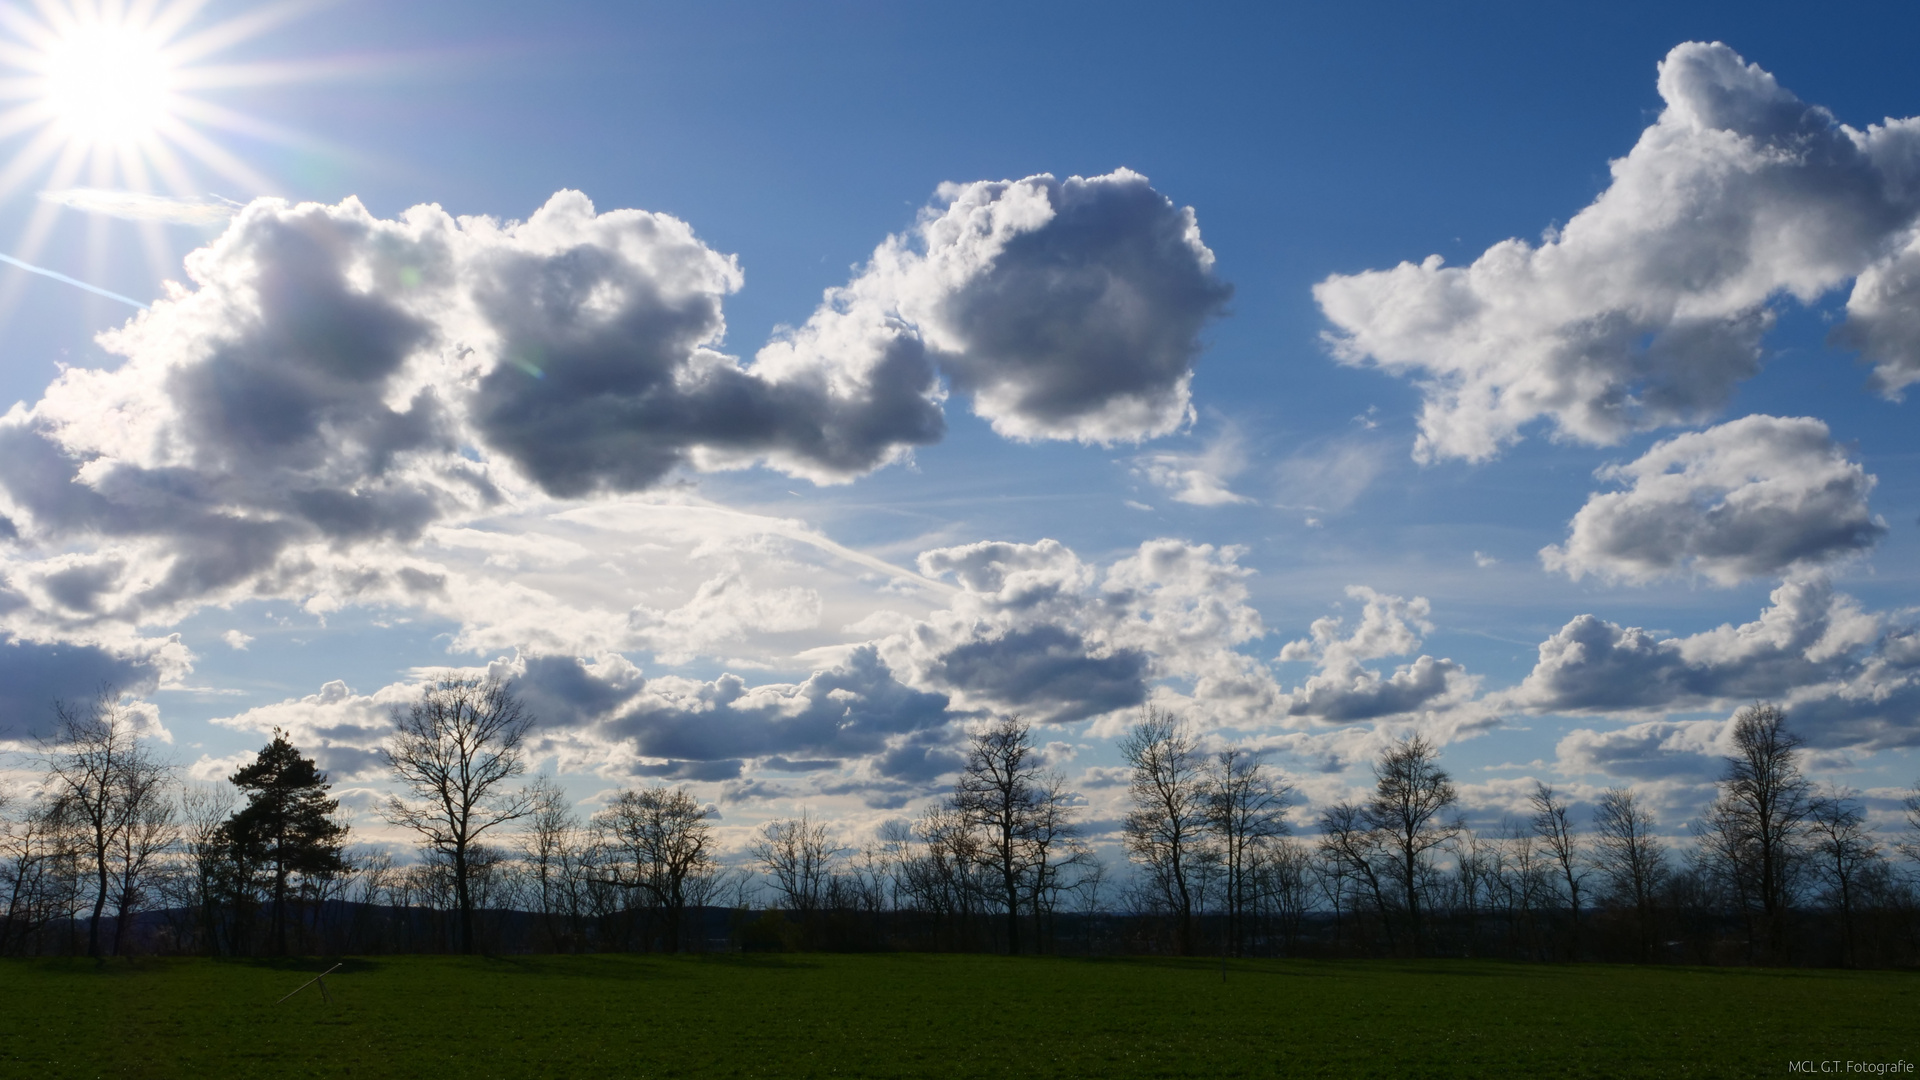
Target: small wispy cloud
x=1199 y=477
x=1327 y=478
x=140 y=206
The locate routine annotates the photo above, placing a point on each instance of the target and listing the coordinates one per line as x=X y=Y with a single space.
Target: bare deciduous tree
x=553 y=849
x=1411 y=797
x=1166 y=829
x=798 y=854
x=1058 y=861
x=1630 y=858
x=39 y=864
x=998 y=793
x=454 y=750
x=1553 y=824
x=150 y=831
x=1843 y=852
x=1284 y=872
x=938 y=869
x=1246 y=809
x=1353 y=854
x=1753 y=831
x=204 y=810
x=109 y=789
x=664 y=837
x=1909 y=843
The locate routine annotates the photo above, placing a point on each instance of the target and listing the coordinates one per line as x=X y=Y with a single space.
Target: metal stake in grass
x=321 y=979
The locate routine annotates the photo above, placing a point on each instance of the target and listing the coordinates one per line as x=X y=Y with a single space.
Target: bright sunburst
x=101 y=97
x=108 y=84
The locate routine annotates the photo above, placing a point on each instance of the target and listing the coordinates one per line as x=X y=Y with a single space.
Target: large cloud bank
x=1030 y=628
x=1649 y=306
x=335 y=382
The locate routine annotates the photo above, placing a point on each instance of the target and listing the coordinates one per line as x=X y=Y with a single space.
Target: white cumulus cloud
x=1755 y=497
x=1649 y=306
x=1343 y=689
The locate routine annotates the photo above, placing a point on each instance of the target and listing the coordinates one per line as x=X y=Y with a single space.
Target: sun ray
x=238 y=29
x=211 y=115
x=19 y=119
x=40 y=223
x=216 y=157
x=224 y=76
x=30 y=160
x=98 y=229
x=171 y=169
x=159 y=253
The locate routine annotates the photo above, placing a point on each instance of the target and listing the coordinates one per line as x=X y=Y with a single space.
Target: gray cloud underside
x=1848 y=678
x=1656 y=750
x=849 y=711
x=1366 y=695
x=34 y=676
x=1048 y=671
x=1756 y=497
x=1088 y=326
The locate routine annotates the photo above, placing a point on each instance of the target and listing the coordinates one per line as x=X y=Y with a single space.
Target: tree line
x=113 y=854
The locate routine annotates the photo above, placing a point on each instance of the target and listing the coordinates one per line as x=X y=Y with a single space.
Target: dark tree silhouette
x=287 y=826
x=454 y=751
x=799 y=855
x=1246 y=807
x=999 y=793
x=1753 y=831
x=1058 y=860
x=108 y=788
x=1844 y=852
x=1166 y=829
x=1410 y=799
x=555 y=855
x=1908 y=842
x=1553 y=824
x=664 y=836
x=1353 y=850
x=1631 y=859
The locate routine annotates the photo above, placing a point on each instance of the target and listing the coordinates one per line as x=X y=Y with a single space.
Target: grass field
x=937 y=1016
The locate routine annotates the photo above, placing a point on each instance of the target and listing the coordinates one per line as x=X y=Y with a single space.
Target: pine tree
x=287 y=827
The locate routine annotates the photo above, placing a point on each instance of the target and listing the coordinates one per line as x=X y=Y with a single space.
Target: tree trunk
x=1413 y=900
x=278 y=922
x=99 y=904
x=120 y=922
x=1013 y=911
x=1186 y=909
x=464 y=900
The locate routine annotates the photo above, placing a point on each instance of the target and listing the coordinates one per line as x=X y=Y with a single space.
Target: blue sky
x=1663 y=390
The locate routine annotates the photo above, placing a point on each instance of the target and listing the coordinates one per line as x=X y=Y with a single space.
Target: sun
x=111 y=93
x=108 y=84
x=120 y=98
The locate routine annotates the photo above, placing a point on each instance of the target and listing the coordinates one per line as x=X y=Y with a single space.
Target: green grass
x=937 y=1016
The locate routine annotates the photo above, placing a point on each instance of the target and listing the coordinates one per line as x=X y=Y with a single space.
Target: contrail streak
x=57 y=276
